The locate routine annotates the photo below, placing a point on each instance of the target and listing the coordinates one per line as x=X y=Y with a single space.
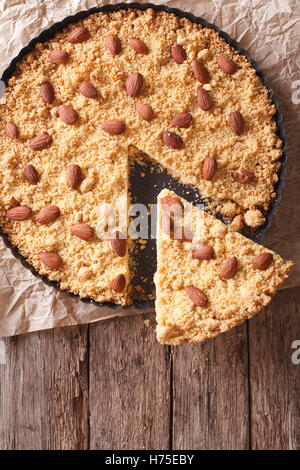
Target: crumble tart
x=209 y=278
x=171 y=88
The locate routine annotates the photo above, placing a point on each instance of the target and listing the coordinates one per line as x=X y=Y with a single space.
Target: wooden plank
x=275 y=380
x=210 y=393
x=129 y=386
x=44 y=390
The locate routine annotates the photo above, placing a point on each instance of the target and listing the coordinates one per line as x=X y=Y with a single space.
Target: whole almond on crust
x=243 y=175
x=204 y=99
x=51 y=260
x=48 y=214
x=183 y=234
x=67 y=114
x=138 y=45
x=47 y=92
x=172 y=205
x=236 y=122
x=113 y=44
x=118 y=243
x=144 y=111
x=178 y=53
x=200 y=72
x=172 y=140
x=226 y=64
x=19 y=213
x=229 y=268
x=209 y=168
x=88 y=90
x=166 y=224
x=197 y=296
x=82 y=231
x=206 y=252
x=182 y=120
x=113 y=126
x=41 y=142
x=119 y=283
x=11 y=130
x=79 y=34
x=134 y=83
x=31 y=174
x=263 y=261
x=59 y=57
x=74 y=176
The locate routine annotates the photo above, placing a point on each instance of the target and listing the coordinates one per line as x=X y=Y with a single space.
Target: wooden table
x=110 y=385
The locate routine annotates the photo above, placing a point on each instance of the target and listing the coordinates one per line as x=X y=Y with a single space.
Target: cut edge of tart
x=211 y=278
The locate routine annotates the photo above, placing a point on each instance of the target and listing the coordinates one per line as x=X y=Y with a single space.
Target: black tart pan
x=147 y=190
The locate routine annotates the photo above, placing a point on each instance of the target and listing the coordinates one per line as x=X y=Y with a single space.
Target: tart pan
x=146 y=191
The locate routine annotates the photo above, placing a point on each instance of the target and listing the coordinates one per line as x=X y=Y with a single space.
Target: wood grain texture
x=274 y=379
x=44 y=391
x=129 y=386
x=210 y=393
x=48 y=386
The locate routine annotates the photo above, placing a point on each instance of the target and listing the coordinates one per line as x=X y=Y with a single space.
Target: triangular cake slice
x=209 y=278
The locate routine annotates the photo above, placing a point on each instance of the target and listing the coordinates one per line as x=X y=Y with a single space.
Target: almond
x=183 y=234
x=119 y=283
x=48 y=214
x=205 y=252
x=243 y=175
x=209 y=168
x=67 y=114
x=236 y=122
x=47 y=92
x=178 y=53
x=74 y=176
x=166 y=224
x=172 y=140
x=226 y=64
x=59 y=57
x=79 y=34
x=263 y=260
x=51 y=260
x=144 y=111
x=31 y=174
x=88 y=90
x=41 y=142
x=118 y=243
x=229 y=268
x=82 y=231
x=197 y=296
x=11 y=131
x=19 y=213
x=172 y=205
x=182 y=120
x=200 y=72
x=204 y=99
x=138 y=45
x=113 y=126
x=113 y=44
x=134 y=83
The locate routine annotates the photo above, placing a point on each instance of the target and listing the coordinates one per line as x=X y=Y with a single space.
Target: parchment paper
x=269 y=30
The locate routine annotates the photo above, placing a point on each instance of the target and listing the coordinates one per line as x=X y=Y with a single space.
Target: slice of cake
x=209 y=278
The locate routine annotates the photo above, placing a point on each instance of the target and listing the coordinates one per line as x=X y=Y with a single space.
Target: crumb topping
x=235 y=276
x=119 y=79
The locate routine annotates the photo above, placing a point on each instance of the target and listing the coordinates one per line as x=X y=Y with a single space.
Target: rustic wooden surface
x=110 y=385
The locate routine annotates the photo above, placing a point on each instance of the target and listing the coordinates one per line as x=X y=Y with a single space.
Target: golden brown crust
x=170 y=89
x=230 y=301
